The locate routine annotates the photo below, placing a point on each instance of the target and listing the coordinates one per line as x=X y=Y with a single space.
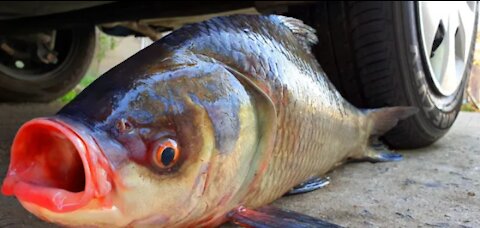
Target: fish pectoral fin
x=309 y=185
x=378 y=152
x=268 y=216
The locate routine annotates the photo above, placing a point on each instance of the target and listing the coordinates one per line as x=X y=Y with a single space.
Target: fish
x=209 y=124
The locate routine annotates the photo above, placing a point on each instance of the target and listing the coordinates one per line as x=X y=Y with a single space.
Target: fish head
x=177 y=147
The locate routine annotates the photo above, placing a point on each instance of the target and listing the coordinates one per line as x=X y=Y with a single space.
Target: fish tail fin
x=384 y=119
x=381 y=121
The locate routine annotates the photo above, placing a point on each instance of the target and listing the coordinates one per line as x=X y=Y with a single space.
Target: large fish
x=208 y=124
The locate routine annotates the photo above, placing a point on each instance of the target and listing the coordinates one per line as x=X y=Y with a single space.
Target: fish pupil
x=168 y=155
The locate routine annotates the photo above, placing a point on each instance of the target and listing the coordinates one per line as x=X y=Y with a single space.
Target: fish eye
x=166 y=154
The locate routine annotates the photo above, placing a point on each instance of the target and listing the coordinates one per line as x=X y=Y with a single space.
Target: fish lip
x=56 y=199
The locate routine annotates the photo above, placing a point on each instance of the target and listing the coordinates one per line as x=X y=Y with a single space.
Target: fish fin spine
x=304 y=33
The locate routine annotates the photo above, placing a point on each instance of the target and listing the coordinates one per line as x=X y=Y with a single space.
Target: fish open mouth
x=51 y=166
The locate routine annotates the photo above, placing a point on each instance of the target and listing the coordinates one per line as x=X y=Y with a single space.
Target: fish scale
x=240 y=101
x=313 y=106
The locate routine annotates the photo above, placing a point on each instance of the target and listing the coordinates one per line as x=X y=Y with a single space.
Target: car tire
x=75 y=47
x=373 y=53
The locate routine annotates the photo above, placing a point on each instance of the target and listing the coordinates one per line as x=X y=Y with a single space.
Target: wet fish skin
x=313 y=120
x=252 y=112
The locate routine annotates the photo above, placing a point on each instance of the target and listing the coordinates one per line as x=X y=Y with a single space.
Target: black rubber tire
x=58 y=81
x=370 y=51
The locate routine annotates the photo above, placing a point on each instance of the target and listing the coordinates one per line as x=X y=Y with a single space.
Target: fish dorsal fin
x=304 y=33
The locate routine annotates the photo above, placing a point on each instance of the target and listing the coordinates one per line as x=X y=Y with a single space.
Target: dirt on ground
x=437 y=186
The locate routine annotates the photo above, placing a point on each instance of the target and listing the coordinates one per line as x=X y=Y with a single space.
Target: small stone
x=409 y=182
x=471 y=193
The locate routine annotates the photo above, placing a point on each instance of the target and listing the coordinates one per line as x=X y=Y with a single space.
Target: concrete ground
x=438 y=186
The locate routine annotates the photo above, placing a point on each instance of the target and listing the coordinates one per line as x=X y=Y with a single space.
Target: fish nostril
x=46 y=157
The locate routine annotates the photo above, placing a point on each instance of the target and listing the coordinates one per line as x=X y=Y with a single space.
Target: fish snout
x=57 y=166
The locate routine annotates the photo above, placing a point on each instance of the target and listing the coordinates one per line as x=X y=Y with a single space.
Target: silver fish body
x=234 y=111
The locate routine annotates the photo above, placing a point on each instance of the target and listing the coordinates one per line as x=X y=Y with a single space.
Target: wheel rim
x=446 y=32
x=42 y=71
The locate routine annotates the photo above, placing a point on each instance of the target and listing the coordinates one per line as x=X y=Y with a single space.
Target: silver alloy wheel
x=446 y=32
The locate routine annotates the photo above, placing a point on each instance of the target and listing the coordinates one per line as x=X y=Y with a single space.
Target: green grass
x=86 y=81
x=467 y=107
x=105 y=43
x=68 y=97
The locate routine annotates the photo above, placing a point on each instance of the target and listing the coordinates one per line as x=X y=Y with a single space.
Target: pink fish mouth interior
x=51 y=166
